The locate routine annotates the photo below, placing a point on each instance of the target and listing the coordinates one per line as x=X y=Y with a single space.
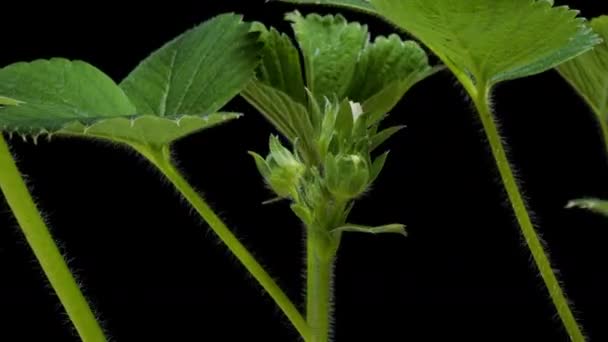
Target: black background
x=154 y=272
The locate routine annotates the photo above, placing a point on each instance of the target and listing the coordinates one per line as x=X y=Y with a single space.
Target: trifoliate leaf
x=387 y=69
x=331 y=47
x=198 y=72
x=280 y=67
x=383 y=62
x=588 y=73
x=488 y=41
x=172 y=94
x=340 y=63
x=593 y=204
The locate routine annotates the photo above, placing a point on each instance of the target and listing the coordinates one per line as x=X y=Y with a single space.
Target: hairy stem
x=320 y=259
x=162 y=160
x=40 y=240
x=523 y=218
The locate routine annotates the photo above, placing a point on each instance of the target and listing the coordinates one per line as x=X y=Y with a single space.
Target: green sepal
x=389 y=228
x=383 y=135
x=7 y=101
x=377 y=166
x=282 y=168
x=261 y=164
x=344 y=122
x=303 y=214
x=281 y=155
x=593 y=204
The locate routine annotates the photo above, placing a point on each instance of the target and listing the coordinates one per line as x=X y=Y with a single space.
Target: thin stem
x=40 y=240
x=162 y=160
x=319 y=286
x=523 y=218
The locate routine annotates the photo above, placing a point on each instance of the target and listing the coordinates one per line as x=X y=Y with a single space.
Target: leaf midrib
x=165 y=95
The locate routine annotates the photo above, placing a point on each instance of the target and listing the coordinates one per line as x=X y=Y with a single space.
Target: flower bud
x=286 y=170
x=346 y=176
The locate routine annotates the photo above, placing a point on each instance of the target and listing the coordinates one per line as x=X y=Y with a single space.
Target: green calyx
x=282 y=170
x=346 y=175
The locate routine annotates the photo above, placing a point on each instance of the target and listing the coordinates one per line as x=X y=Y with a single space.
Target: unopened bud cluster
x=344 y=171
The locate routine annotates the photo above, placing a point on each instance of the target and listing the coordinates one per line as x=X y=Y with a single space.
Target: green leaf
x=53 y=93
x=146 y=129
x=386 y=99
x=261 y=164
x=377 y=166
x=357 y=5
x=278 y=107
x=387 y=69
x=488 y=41
x=340 y=63
x=175 y=92
x=593 y=204
x=198 y=72
x=383 y=62
x=280 y=67
x=389 y=228
x=383 y=136
x=588 y=73
x=330 y=46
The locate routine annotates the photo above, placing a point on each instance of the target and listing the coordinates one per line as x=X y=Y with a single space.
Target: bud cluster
x=321 y=192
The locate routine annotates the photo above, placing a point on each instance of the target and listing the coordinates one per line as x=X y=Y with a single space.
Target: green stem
x=523 y=218
x=40 y=240
x=320 y=259
x=161 y=158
